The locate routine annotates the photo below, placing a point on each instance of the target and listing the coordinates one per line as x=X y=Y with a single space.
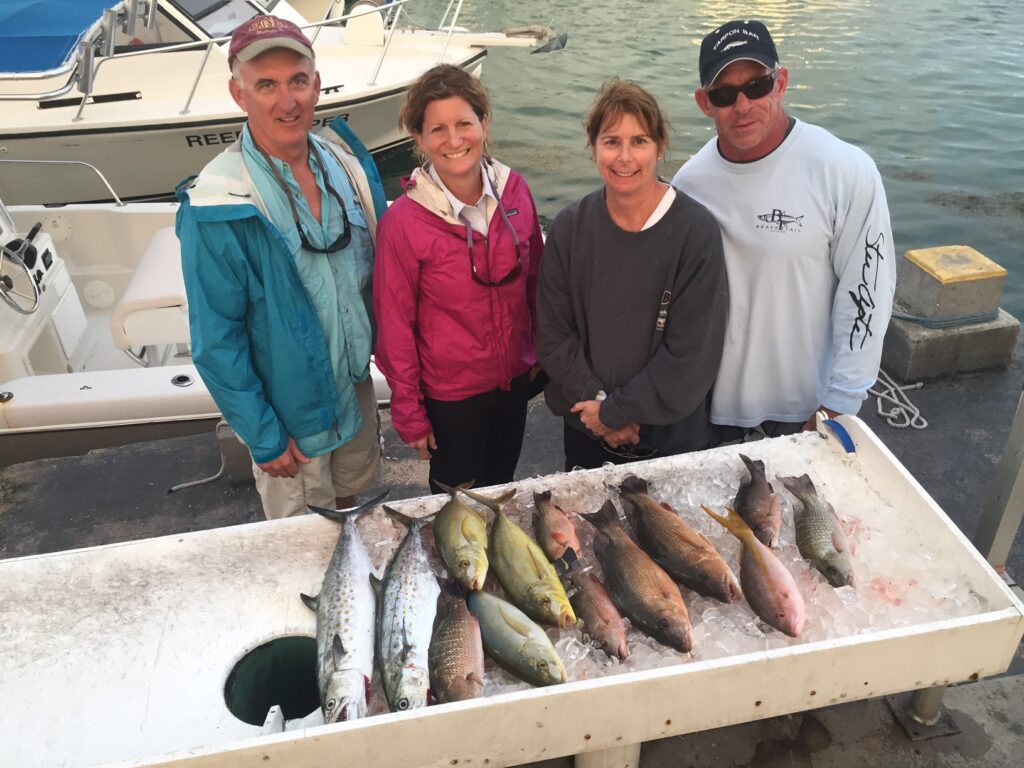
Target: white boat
x=141 y=93
x=94 y=337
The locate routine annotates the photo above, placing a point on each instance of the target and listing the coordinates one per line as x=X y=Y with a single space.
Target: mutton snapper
x=638 y=585
x=819 y=533
x=602 y=621
x=407 y=605
x=460 y=534
x=683 y=552
x=515 y=641
x=345 y=614
x=554 y=530
x=456 y=653
x=527 y=577
x=758 y=504
x=767 y=584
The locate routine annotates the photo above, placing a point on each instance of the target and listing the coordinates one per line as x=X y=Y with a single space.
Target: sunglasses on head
x=758 y=88
x=514 y=272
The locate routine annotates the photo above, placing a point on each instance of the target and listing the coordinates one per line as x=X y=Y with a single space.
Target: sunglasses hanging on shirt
x=514 y=273
x=342 y=241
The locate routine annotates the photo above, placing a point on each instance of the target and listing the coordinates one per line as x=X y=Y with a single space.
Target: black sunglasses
x=630 y=452
x=345 y=237
x=514 y=273
x=758 y=88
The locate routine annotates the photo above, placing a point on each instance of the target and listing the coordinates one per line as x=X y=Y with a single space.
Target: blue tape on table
x=842 y=435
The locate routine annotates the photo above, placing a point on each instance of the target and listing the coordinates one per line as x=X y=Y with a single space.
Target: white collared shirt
x=474 y=215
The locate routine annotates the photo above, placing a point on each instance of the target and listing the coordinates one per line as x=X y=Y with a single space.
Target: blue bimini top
x=37 y=35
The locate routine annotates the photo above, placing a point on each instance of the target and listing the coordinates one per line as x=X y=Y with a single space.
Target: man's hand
x=811 y=424
x=287 y=464
x=628 y=435
x=590 y=415
x=423 y=443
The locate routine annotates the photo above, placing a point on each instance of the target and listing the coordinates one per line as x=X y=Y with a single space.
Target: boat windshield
x=218 y=18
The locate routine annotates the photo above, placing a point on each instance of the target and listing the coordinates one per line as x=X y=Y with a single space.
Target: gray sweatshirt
x=640 y=315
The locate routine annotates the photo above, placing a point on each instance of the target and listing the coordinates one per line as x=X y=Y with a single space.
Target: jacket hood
x=422 y=189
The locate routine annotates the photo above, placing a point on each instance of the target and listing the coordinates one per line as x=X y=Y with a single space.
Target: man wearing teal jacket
x=277 y=236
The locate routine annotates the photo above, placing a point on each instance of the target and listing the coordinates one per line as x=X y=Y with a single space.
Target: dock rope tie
x=904 y=413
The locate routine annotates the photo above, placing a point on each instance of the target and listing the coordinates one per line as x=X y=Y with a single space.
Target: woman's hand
x=425 y=442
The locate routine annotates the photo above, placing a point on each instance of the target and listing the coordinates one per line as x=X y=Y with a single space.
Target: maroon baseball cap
x=264 y=32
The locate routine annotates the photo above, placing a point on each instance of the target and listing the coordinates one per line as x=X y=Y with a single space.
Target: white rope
x=903 y=413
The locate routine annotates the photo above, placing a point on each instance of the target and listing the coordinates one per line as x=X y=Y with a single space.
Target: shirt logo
x=780 y=221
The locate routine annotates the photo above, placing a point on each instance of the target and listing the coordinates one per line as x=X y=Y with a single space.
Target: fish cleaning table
x=120 y=654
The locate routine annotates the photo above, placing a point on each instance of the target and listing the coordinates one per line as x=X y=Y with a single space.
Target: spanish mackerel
x=345 y=612
x=819 y=533
x=407 y=605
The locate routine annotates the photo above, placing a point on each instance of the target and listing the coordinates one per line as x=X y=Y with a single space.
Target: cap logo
x=730 y=33
x=263 y=24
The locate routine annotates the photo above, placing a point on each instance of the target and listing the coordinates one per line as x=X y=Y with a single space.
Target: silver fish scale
x=408 y=607
x=815 y=525
x=346 y=606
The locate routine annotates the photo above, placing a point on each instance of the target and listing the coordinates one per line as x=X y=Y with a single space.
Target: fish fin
x=453 y=491
x=633 y=484
x=838 y=533
x=733 y=523
x=798 y=486
x=775 y=514
x=490 y=502
x=310 y=602
x=339 y=515
x=606 y=515
x=377 y=584
x=337 y=650
x=560 y=537
x=754 y=466
x=666 y=507
x=406 y=520
x=514 y=622
x=473 y=677
x=541 y=498
x=540 y=566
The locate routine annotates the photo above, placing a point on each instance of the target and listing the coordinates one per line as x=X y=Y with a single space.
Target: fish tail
x=340 y=515
x=406 y=520
x=754 y=466
x=733 y=523
x=450 y=490
x=799 y=486
x=541 y=498
x=494 y=504
x=633 y=484
x=605 y=516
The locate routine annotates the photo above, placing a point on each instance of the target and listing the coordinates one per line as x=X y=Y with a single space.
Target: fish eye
x=331 y=704
x=542 y=665
x=463 y=564
x=403 y=704
x=546 y=602
x=662 y=624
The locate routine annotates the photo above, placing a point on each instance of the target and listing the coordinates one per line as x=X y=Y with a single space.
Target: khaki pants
x=345 y=471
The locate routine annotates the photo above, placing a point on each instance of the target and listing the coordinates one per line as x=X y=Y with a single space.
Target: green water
x=934 y=91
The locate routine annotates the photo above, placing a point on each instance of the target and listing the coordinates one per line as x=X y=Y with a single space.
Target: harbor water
x=934 y=92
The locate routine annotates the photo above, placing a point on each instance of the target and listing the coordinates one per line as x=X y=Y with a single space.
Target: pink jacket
x=440 y=334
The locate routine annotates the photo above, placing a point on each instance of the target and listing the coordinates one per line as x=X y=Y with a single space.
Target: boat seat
x=153 y=309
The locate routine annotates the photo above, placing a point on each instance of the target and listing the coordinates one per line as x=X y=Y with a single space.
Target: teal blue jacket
x=256 y=338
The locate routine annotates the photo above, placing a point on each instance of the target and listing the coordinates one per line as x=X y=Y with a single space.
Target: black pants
x=590 y=453
x=729 y=435
x=478 y=438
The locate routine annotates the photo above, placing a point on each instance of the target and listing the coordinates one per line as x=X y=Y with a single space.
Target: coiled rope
x=903 y=413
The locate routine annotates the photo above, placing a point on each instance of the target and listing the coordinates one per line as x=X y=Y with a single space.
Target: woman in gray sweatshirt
x=631 y=298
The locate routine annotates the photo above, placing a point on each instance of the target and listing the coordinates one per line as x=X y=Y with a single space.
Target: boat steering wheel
x=17 y=286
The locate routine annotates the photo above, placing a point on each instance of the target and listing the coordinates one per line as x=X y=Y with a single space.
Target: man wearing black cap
x=808 y=245
x=277 y=253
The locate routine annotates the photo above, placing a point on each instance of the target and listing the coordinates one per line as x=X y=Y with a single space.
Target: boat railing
x=120 y=203
x=96 y=47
